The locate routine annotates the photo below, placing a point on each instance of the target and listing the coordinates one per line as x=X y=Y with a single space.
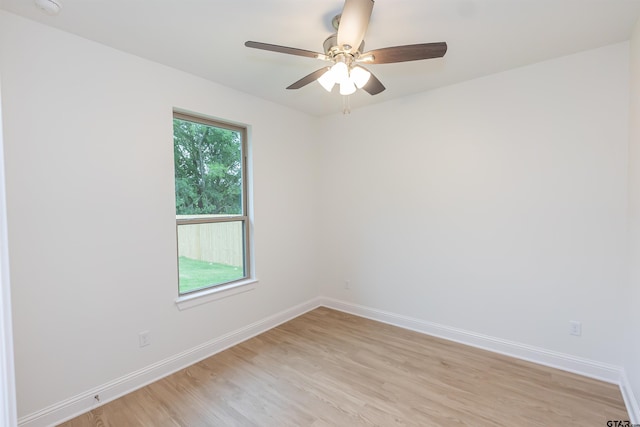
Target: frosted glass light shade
x=360 y=76
x=327 y=81
x=340 y=72
x=347 y=87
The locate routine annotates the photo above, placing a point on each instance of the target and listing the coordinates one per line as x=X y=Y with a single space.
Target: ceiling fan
x=345 y=50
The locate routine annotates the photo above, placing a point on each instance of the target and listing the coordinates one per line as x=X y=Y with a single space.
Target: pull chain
x=346 y=106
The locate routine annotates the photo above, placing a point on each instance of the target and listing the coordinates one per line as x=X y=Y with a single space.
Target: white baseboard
x=629 y=399
x=565 y=362
x=85 y=402
x=588 y=368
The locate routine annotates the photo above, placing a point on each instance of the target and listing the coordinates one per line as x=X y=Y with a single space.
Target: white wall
x=497 y=206
x=631 y=349
x=8 y=415
x=89 y=167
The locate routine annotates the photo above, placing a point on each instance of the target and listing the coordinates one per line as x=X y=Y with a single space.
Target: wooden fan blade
x=410 y=52
x=285 y=49
x=373 y=86
x=308 y=78
x=354 y=22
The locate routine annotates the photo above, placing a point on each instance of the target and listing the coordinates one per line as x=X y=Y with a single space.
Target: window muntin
x=211 y=203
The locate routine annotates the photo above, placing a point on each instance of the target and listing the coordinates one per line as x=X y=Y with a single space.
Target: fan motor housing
x=331 y=48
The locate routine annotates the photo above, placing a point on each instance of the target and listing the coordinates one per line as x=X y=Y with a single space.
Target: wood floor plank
x=328 y=368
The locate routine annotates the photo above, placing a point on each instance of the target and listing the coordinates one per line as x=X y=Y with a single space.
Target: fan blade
x=285 y=49
x=373 y=86
x=410 y=52
x=354 y=22
x=308 y=78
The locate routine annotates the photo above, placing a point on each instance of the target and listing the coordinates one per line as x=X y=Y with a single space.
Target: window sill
x=220 y=292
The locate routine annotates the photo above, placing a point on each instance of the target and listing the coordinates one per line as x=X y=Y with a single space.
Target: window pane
x=210 y=254
x=208 y=169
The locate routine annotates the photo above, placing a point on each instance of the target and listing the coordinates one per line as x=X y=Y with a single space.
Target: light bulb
x=327 y=81
x=347 y=87
x=340 y=72
x=359 y=76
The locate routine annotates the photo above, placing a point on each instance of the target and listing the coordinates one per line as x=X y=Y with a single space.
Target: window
x=211 y=203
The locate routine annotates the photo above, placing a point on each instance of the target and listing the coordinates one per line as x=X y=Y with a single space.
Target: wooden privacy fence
x=220 y=242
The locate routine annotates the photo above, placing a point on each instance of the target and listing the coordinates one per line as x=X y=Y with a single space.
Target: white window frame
x=246 y=283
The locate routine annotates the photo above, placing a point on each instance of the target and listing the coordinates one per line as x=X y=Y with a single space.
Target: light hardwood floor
x=328 y=368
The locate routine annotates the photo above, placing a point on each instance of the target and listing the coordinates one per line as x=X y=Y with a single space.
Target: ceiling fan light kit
x=347 y=75
x=347 y=88
x=360 y=76
x=340 y=72
x=327 y=80
x=341 y=50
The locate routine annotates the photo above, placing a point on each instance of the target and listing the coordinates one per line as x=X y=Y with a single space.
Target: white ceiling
x=206 y=38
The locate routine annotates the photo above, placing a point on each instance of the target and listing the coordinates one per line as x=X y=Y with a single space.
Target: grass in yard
x=196 y=274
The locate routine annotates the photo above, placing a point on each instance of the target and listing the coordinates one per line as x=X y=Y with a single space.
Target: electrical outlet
x=144 y=338
x=575 y=328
